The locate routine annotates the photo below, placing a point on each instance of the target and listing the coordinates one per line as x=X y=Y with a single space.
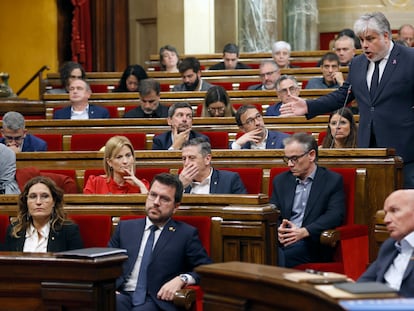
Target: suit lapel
x=289 y=190
x=314 y=194
x=214 y=181
x=166 y=235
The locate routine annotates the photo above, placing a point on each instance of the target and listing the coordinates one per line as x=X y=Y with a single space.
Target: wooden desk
x=241 y=286
x=30 y=281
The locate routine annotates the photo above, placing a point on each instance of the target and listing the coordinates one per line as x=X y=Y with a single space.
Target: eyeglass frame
x=152 y=196
x=291 y=89
x=218 y=109
x=295 y=158
x=250 y=121
x=269 y=73
x=43 y=197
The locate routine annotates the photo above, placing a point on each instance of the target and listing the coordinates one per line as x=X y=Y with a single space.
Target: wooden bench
x=383 y=170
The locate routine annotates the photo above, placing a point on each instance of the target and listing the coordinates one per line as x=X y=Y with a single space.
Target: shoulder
x=277 y=134
x=242 y=66
x=98 y=108
x=62 y=113
x=162 y=136
x=134 y=113
x=328 y=174
x=255 y=87
x=218 y=66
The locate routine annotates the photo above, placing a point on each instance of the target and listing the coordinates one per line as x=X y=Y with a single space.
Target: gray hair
x=13 y=120
x=205 y=147
x=148 y=85
x=307 y=141
x=280 y=45
x=286 y=77
x=375 y=21
x=271 y=62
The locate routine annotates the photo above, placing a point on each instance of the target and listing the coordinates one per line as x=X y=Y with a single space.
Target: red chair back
x=94 y=142
x=321 y=137
x=273 y=172
x=199 y=110
x=252 y=178
x=4 y=223
x=113 y=111
x=54 y=141
x=147 y=173
x=218 y=140
x=95 y=230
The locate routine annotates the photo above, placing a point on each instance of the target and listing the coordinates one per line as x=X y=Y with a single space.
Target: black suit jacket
x=178 y=250
x=164 y=140
x=390 y=113
x=31 y=143
x=66 y=238
x=95 y=112
x=386 y=256
x=224 y=182
x=160 y=112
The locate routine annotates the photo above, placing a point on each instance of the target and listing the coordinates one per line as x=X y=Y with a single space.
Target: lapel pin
x=394 y=62
x=171 y=229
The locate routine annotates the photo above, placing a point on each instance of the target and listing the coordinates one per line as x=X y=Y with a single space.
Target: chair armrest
x=332 y=236
x=185 y=298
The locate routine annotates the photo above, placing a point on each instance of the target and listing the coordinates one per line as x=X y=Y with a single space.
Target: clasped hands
x=289 y=233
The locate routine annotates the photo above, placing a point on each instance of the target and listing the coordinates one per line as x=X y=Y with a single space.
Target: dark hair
x=330 y=56
x=241 y=111
x=172 y=181
x=23 y=219
x=175 y=106
x=131 y=70
x=306 y=140
x=167 y=48
x=205 y=147
x=351 y=34
x=215 y=94
x=231 y=48
x=148 y=85
x=351 y=140
x=189 y=63
x=286 y=77
x=66 y=70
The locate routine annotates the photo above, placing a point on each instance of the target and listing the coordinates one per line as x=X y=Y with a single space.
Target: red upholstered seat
x=94 y=142
x=54 y=141
x=147 y=173
x=321 y=137
x=199 y=110
x=252 y=178
x=350 y=240
x=228 y=86
x=218 y=140
x=245 y=85
x=95 y=230
x=113 y=111
x=99 y=88
x=4 y=223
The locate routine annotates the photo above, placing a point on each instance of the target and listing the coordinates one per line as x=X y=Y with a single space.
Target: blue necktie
x=138 y=298
x=374 y=80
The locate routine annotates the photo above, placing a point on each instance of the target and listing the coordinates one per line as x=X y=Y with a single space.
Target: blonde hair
x=112 y=147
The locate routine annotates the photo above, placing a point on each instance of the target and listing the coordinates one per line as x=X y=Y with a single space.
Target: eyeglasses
x=163 y=199
x=262 y=75
x=42 y=197
x=294 y=159
x=11 y=138
x=250 y=121
x=216 y=110
x=285 y=91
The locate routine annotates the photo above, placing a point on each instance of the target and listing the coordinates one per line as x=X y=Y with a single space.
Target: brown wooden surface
x=35 y=281
x=251 y=287
x=243 y=227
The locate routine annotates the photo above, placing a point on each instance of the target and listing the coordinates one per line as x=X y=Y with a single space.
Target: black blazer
x=164 y=140
x=95 y=112
x=66 y=238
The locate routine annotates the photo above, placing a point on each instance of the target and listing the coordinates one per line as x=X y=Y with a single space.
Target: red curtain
x=82 y=34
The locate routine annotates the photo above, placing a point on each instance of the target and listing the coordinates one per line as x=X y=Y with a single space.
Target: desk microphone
x=341 y=115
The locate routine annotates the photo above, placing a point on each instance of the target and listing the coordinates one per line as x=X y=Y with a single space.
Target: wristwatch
x=184 y=278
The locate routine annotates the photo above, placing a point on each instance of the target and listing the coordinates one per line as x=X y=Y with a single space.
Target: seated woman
x=341 y=131
x=8 y=183
x=169 y=59
x=130 y=79
x=281 y=54
x=69 y=71
x=40 y=225
x=119 y=165
x=217 y=103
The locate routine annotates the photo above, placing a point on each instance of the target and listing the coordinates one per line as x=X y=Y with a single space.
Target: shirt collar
x=44 y=231
x=205 y=181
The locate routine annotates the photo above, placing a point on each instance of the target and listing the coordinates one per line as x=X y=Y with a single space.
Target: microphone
x=341 y=115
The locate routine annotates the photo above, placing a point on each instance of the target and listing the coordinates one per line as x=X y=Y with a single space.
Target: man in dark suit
x=191 y=74
x=180 y=118
x=198 y=176
x=230 y=59
x=269 y=72
x=256 y=136
x=79 y=108
x=14 y=134
x=310 y=198
x=385 y=102
x=394 y=264
x=176 y=252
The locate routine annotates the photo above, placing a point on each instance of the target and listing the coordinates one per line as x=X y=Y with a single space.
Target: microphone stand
x=340 y=116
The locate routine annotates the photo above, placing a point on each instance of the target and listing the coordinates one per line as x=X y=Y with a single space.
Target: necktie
x=138 y=298
x=374 y=80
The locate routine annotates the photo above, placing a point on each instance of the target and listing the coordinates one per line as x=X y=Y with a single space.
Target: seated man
x=310 y=198
x=256 y=136
x=406 y=33
x=79 y=108
x=191 y=74
x=269 y=73
x=14 y=134
x=180 y=118
x=150 y=107
x=198 y=176
x=394 y=264
x=332 y=78
x=230 y=59
x=344 y=47
x=162 y=252
x=286 y=86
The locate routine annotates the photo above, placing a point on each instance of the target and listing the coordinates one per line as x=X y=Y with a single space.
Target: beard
x=192 y=86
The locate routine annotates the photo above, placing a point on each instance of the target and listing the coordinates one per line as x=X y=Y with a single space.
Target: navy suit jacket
x=274 y=140
x=31 y=143
x=178 y=250
x=273 y=110
x=390 y=113
x=324 y=210
x=66 y=238
x=95 y=112
x=255 y=87
x=224 y=182
x=164 y=140
x=386 y=256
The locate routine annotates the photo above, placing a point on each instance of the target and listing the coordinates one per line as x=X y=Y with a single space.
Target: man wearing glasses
x=256 y=135
x=286 y=86
x=310 y=198
x=269 y=73
x=14 y=135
